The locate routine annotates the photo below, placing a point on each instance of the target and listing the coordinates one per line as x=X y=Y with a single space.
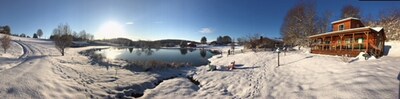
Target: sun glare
x=110 y=29
x=112 y=55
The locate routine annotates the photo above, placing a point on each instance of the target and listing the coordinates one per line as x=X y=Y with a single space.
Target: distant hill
x=141 y=43
x=118 y=41
x=173 y=42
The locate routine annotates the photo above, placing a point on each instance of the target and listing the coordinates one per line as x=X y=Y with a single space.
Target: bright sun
x=110 y=29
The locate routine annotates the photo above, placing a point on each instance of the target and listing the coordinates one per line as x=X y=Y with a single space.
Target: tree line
x=221 y=40
x=63 y=37
x=81 y=36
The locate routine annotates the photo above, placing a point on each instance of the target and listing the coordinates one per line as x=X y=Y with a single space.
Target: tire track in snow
x=27 y=56
x=22 y=58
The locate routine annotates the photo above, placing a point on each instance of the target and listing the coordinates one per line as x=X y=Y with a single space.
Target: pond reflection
x=203 y=53
x=130 y=50
x=190 y=56
x=184 y=51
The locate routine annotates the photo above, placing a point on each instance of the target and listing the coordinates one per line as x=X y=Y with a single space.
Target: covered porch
x=345 y=43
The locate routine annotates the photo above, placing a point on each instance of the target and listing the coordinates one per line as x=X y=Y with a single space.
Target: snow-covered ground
x=300 y=75
x=42 y=72
x=9 y=59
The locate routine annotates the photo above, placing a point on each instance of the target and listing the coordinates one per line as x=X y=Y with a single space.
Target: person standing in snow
x=229 y=52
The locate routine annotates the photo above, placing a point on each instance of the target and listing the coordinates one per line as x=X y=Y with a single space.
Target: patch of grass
x=152 y=65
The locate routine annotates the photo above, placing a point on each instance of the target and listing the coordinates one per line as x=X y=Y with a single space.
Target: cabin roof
x=349 y=18
x=377 y=29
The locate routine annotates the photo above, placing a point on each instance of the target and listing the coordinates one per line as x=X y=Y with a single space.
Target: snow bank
x=392 y=48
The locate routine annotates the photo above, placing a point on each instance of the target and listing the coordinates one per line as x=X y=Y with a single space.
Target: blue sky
x=164 y=19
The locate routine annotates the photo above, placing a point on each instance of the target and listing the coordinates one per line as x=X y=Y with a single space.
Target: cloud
x=206 y=30
x=129 y=23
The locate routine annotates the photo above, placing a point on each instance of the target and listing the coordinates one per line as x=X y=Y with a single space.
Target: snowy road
x=34 y=77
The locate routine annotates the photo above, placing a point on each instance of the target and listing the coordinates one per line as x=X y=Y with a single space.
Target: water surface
x=195 y=57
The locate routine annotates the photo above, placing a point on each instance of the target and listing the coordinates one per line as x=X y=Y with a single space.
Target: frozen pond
x=196 y=57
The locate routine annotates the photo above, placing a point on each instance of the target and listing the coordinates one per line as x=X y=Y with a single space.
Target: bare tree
x=75 y=36
x=323 y=22
x=91 y=37
x=251 y=41
x=369 y=20
x=83 y=35
x=241 y=40
x=5 y=42
x=299 y=23
x=39 y=33
x=390 y=21
x=350 y=11
x=62 y=37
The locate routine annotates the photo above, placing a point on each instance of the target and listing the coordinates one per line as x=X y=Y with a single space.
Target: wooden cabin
x=349 y=37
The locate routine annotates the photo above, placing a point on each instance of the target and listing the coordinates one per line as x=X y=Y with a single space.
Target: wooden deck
x=337 y=52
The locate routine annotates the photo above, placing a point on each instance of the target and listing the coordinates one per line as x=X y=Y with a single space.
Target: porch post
x=367 y=42
x=352 y=43
x=341 y=37
x=323 y=43
x=312 y=44
x=330 y=43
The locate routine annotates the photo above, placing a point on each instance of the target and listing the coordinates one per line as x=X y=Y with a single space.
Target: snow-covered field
x=43 y=73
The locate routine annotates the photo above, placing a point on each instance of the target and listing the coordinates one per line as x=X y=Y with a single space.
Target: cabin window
x=360 y=40
x=319 y=43
x=348 y=43
x=327 y=42
x=360 y=44
x=341 y=27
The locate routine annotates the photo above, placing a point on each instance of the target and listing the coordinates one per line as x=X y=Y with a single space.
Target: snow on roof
x=342 y=31
x=377 y=29
x=349 y=18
